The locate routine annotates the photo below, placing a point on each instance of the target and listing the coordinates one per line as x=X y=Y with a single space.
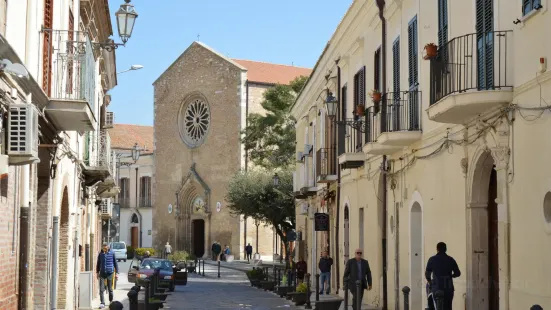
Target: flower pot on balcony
x=432 y=50
x=360 y=110
x=377 y=96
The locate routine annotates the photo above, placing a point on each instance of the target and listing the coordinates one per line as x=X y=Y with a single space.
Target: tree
x=253 y=194
x=270 y=139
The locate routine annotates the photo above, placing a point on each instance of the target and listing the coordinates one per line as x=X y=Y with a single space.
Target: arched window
x=346 y=215
x=134 y=219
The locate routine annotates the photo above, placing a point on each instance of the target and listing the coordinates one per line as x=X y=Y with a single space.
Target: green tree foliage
x=270 y=139
x=253 y=194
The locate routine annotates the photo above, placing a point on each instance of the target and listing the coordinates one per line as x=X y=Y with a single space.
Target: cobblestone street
x=231 y=291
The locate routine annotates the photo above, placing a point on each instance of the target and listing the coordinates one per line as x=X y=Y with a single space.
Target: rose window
x=195 y=122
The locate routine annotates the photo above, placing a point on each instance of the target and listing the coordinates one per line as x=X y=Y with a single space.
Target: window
x=442 y=22
x=46 y=52
x=530 y=5
x=145 y=192
x=396 y=65
x=359 y=87
x=412 y=54
x=377 y=70
x=124 y=184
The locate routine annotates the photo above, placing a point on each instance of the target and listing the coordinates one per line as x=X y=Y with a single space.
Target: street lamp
x=331 y=104
x=126 y=18
x=136 y=152
x=132 y=68
x=276 y=179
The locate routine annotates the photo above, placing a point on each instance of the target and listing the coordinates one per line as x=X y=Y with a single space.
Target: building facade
x=448 y=146
x=56 y=163
x=134 y=217
x=201 y=104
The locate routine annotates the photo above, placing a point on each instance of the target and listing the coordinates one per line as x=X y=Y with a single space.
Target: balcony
x=471 y=75
x=351 y=134
x=69 y=79
x=326 y=165
x=402 y=124
x=374 y=121
x=99 y=161
x=145 y=202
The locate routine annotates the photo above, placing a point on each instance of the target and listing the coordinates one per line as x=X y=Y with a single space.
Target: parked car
x=169 y=275
x=119 y=248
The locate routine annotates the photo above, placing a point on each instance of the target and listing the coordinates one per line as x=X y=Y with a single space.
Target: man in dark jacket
x=357 y=269
x=325 y=272
x=249 y=251
x=443 y=269
x=106 y=270
x=217 y=250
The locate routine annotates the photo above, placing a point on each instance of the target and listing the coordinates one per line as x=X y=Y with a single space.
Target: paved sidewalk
x=119 y=294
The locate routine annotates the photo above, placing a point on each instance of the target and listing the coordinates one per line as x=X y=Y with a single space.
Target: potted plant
x=431 y=50
x=376 y=95
x=360 y=109
x=302 y=294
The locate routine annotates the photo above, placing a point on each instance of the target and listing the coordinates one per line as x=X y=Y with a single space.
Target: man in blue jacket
x=106 y=270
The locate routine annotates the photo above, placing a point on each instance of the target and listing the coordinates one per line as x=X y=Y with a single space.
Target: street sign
x=321 y=221
x=169 y=208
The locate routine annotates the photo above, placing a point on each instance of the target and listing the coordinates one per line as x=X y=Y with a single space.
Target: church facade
x=201 y=104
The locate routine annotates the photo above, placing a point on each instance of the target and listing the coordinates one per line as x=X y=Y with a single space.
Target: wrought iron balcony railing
x=69 y=66
x=352 y=133
x=145 y=202
x=99 y=154
x=477 y=61
x=372 y=125
x=326 y=162
x=402 y=111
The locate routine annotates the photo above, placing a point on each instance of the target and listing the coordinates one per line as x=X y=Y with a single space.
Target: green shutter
x=485 y=43
x=396 y=85
x=412 y=53
x=442 y=22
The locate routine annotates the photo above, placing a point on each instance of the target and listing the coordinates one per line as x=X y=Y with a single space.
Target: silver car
x=119 y=248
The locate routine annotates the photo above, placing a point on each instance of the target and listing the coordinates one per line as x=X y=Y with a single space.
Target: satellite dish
x=15 y=69
x=169 y=208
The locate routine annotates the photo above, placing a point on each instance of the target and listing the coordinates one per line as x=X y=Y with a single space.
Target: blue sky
x=283 y=31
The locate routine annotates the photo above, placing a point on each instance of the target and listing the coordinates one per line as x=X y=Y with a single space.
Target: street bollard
x=203 y=267
x=308 y=303
x=345 y=289
x=439 y=296
x=536 y=307
x=289 y=275
x=406 y=291
x=219 y=269
x=146 y=292
x=295 y=279
x=317 y=287
x=358 y=296
x=278 y=277
x=133 y=299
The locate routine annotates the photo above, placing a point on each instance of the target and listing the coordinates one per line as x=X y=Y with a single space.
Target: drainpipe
x=246 y=157
x=335 y=148
x=381 y=5
x=53 y=282
x=137 y=207
x=24 y=233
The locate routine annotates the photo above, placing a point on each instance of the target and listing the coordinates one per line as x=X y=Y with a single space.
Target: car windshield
x=117 y=246
x=156 y=263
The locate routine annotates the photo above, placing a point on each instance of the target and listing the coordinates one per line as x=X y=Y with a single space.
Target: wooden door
x=493 y=256
x=134 y=237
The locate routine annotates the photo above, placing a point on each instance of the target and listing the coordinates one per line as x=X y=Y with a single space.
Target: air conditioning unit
x=308 y=150
x=106 y=208
x=109 y=120
x=300 y=157
x=22 y=142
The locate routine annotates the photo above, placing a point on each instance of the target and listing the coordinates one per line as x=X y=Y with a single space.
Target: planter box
x=267 y=285
x=255 y=283
x=300 y=298
x=333 y=304
x=283 y=290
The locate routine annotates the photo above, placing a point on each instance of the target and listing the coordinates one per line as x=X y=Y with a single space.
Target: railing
x=69 y=71
x=100 y=154
x=372 y=125
x=145 y=202
x=352 y=132
x=326 y=162
x=477 y=61
x=403 y=111
x=124 y=202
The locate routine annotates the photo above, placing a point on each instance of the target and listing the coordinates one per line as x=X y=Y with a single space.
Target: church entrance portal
x=198 y=238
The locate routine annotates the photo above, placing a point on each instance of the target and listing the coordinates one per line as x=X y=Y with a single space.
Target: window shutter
x=442 y=22
x=485 y=36
x=362 y=86
x=377 y=71
x=412 y=53
x=396 y=65
x=47 y=48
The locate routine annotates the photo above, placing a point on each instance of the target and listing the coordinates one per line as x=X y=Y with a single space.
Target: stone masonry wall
x=8 y=243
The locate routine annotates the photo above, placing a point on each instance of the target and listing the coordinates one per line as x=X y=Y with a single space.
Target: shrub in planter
x=432 y=50
x=139 y=252
x=360 y=110
x=302 y=288
x=178 y=256
x=376 y=95
x=129 y=252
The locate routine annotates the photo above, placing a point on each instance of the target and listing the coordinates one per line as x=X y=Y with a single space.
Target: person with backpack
x=107 y=271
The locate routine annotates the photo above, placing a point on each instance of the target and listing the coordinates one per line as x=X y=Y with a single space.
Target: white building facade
x=453 y=150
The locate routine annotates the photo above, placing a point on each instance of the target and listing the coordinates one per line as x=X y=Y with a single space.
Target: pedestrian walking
x=217 y=250
x=212 y=248
x=168 y=249
x=302 y=268
x=356 y=269
x=107 y=271
x=249 y=251
x=324 y=265
x=440 y=271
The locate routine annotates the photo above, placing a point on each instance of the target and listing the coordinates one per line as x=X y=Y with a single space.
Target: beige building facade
x=454 y=151
x=201 y=104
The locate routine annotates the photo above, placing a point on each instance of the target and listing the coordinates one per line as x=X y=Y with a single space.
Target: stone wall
x=9 y=242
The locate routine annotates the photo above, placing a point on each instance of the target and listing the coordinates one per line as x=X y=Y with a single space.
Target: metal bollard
x=406 y=291
x=146 y=291
x=219 y=269
x=317 y=287
x=295 y=279
x=345 y=289
x=439 y=296
x=358 y=296
x=203 y=267
x=308 y=304
x=278 y=277
x=536 y=307
x=289 y=274
x=133 y=299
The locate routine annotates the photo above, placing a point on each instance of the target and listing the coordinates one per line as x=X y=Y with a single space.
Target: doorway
x=134 y=237
x=346 y=234
x=493 y=256
x=198 y=238
x=416 y=256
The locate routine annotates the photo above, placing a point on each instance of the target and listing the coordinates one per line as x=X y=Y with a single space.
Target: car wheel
x=125 y=260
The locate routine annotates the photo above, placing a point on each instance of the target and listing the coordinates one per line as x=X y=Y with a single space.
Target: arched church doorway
x=198 y=238
x=134 y=234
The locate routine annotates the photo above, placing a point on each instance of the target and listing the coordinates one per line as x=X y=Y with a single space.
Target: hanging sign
x=321 y=221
